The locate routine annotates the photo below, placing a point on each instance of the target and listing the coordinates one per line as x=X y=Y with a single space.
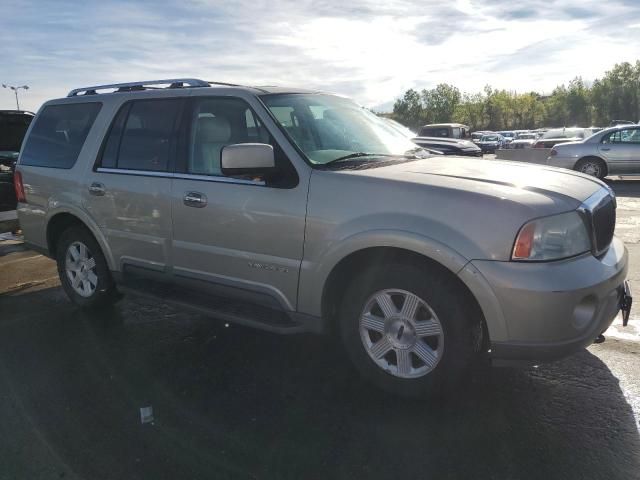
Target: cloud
x=370 y=50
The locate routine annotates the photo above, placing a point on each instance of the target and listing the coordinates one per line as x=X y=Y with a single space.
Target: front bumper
x=553 y=309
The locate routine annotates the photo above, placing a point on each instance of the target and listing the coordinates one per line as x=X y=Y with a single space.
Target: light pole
x=15 y=91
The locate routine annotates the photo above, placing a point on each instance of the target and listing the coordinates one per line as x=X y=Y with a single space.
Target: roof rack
x=135 y=86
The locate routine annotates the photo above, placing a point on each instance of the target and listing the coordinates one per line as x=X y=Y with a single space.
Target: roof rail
x=133 y=86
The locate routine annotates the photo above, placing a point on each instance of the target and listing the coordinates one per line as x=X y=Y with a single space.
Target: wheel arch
x=61 y=220
x=594 y=157
x=339 y=277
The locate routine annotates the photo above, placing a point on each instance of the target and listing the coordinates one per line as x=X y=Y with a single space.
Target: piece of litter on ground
x=146 y=415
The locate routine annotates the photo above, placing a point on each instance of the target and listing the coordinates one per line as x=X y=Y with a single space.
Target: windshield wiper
x=413 y=153
x=358 y=155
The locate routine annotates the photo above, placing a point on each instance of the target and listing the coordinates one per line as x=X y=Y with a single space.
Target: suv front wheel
x=407 y=330
x=83 y=270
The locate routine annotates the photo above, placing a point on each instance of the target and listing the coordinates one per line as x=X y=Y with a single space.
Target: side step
x=226 y=309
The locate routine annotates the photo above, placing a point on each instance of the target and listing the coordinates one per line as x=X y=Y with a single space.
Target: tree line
x=615 y=96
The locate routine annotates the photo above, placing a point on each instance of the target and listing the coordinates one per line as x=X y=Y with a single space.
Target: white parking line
x=20 y=260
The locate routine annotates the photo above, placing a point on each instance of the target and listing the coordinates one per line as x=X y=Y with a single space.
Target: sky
x=370 y=50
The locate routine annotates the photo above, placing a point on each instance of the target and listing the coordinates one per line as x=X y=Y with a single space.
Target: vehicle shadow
x=231 y=402
x=624 y=186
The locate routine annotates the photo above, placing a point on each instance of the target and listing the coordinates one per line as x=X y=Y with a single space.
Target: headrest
x=213 y=130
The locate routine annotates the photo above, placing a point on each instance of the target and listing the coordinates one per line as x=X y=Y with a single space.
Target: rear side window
x=434 y=132
x=58 y=135
x=13 y=127
x=142 y=136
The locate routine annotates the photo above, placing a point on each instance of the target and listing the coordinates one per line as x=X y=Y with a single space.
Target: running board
x=225 y=309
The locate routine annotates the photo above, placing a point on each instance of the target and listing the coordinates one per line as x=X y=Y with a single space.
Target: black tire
x=105 y=291
x=597 y=163
x=443 y=294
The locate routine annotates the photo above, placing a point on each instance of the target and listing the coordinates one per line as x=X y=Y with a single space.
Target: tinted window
x=434 y=132
x=111 y=147
x=147 y=136
x=216 y=123
x=59 y=134
x=13 y=127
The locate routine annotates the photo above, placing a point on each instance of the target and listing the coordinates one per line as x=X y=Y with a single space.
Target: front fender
x=314 y=274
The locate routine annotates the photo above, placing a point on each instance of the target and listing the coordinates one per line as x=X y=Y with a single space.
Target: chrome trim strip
x=181 y=176
x=146 y=173
x=213 y=178
x=587 y=208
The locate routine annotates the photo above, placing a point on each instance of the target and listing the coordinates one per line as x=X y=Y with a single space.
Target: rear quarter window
x=58 y=134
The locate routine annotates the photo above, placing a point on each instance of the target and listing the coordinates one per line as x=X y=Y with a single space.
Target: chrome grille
x=600 y=215
x=604 y=223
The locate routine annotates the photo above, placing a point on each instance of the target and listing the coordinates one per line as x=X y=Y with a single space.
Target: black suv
x=13 y=126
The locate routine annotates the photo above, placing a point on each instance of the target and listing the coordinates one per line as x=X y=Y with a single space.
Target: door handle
x=195 y=199
x=97 y=189
x=605 y=149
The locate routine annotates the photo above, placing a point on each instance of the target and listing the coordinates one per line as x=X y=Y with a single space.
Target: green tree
x=440 y=103
x=408 y=110
x=614 y=96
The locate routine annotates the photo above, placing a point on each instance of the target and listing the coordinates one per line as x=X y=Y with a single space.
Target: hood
x=473 y=206
x=526 y=184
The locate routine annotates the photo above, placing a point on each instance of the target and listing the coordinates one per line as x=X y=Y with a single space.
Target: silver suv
x=298 y=211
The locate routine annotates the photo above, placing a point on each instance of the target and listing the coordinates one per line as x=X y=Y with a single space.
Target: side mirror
x=252 y=159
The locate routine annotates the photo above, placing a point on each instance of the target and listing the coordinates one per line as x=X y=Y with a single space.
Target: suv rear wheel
x=83 y=270
x=407 y=330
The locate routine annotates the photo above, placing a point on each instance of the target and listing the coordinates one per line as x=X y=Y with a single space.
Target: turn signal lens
x=524 y=242
x=19 y=187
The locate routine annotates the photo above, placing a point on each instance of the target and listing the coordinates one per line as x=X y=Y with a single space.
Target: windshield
x=327 y=128
x=490 y=138
x=527 y=136
x=401 y=128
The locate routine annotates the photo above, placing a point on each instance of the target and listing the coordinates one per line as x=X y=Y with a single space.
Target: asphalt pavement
x=230 y=402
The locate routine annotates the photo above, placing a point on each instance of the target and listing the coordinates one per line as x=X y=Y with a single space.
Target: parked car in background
x=449 y=146
x=614 y=123
x=446 y=130
x=491 y=142
x=297 y=211
x=560 y=135
x=524 y=140
x=508 y=136
x=614 y=151
x=13 y=126
x=477 y=136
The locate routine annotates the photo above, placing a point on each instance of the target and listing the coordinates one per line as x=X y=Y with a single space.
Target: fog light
x=583 y=312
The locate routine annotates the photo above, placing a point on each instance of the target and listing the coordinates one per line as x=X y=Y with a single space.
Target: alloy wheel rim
x=591 y=168
x=80 y=268
x=401 y=333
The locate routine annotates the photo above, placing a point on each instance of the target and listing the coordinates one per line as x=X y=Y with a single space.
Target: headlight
x=552 y=238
